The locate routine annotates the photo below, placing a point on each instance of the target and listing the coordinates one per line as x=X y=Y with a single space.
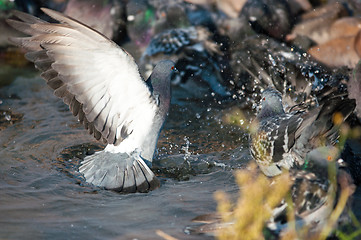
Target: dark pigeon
x=271 y=17
x=102 y=86
x=197 y=58
x=281 y=140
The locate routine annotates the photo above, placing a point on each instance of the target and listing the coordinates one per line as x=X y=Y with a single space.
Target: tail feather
x=327 y=124
x=151 y=178
x=320 y=125
x=119 y=171
x=142 y=178
x=129 y=180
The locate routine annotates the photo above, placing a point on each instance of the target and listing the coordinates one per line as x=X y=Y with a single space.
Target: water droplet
x=130 y=18
x=7 y=117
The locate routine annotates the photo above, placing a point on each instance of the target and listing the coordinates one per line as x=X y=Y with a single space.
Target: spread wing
x=97 y=79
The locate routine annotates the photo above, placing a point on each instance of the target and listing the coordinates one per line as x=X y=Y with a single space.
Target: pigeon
x=281 y=140
x=314 y=186
x=312 y=193
x=259 y=62
x=102 y=85
x=270 y=17
x=197 y=57
x=147 y=18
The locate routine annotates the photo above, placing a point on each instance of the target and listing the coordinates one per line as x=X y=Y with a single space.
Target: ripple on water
x=43 y=195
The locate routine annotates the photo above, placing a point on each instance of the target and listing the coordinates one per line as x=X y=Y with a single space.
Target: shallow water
x=42 y=196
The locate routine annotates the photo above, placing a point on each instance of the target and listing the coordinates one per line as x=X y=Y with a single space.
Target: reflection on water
x=43 y=196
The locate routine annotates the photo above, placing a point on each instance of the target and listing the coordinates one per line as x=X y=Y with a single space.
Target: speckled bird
x=103 y=87
x=282 y=140
x=312 y=193
x=315 y=191
x=259 y=62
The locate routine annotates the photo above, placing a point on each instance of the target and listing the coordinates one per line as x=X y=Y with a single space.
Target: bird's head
x=159 y=81
x=162 y=72
x=271 y=103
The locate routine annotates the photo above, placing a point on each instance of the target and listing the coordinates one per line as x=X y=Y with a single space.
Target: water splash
x=185 y=148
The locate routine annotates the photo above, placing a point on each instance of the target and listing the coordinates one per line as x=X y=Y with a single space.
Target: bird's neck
x=268 y=111
x=161 y=92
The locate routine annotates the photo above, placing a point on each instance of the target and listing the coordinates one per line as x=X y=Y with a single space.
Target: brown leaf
x=336 y=52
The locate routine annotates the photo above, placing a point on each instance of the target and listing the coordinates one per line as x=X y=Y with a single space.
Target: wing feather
x=55 y=83
x=36 y=56
x=75 y=107
x=81 y=115
x=49 y=75
x=60 y=92
x=97 y=79
x=27 y=18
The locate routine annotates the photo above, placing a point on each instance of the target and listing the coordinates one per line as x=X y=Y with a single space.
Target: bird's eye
x=264 y=99
x=329 y=158
x=172 y=68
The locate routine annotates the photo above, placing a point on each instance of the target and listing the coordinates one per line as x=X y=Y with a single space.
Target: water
x=42 y=196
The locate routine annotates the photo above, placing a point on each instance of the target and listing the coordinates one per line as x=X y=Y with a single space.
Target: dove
x=102 y=85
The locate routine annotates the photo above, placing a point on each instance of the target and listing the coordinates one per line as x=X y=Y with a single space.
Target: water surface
x=42 y=196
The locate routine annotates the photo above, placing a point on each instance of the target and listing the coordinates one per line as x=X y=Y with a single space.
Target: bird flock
x=301 y=104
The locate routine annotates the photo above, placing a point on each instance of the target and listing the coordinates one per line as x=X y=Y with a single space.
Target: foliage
x=258 y=196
